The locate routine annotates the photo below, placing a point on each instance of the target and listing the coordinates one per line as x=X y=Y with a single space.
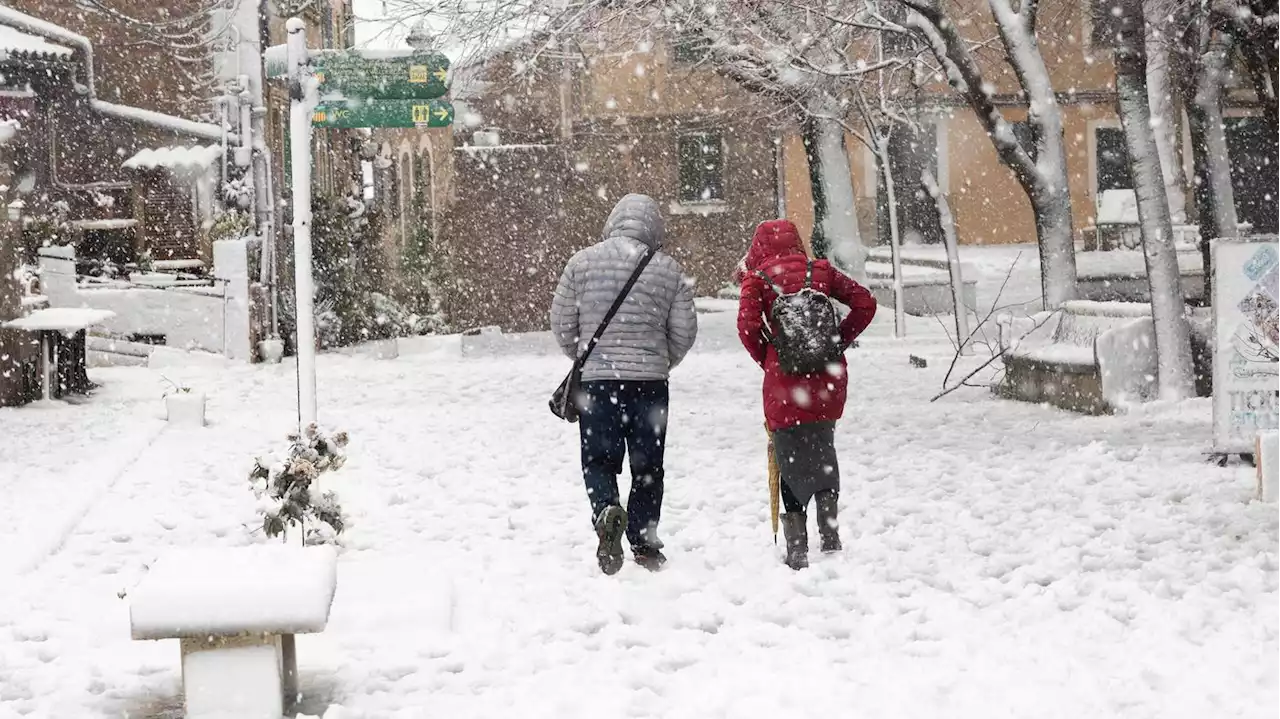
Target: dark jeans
x=625 y=418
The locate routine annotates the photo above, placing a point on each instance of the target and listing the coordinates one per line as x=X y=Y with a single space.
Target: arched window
x=405 y=208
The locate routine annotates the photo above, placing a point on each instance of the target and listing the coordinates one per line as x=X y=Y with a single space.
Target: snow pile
x=270 y=588
x=13 y=41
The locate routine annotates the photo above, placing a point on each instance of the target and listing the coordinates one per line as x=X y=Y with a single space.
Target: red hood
x=774 y=238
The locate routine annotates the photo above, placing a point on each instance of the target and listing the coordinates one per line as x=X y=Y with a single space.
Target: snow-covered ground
x=1001 y=559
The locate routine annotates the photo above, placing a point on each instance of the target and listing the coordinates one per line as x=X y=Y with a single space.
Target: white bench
x=235 y=612
x=1087 y=357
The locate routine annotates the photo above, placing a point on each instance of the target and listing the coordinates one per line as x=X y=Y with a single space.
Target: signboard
x=1246 y=368
x=346 y=114
x=414 y=77
x=373 y=74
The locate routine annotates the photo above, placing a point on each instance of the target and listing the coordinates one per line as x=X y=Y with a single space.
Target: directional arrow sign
x=373 y=74
x=346 y=114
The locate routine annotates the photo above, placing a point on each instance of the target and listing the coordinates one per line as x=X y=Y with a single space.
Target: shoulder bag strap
x=808 y=275
x=617 y=304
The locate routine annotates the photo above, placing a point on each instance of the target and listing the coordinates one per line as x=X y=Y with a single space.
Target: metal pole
x=301 y=102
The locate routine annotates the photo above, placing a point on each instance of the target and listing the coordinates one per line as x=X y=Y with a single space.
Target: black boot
x=797 y=536
x=649 y=557
x=610 y=526
x=828 y=524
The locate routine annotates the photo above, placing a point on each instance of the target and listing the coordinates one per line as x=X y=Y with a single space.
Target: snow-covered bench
x=1087 y=357
x=235 y=612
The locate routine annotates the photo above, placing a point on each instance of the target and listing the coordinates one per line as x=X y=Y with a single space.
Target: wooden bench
x=1088 y=357
x=235 y=612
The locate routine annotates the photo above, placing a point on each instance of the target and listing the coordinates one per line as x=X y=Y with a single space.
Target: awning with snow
x=177 y=158
x=14 y=42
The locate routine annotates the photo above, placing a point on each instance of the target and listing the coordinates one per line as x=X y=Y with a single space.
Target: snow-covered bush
x=283 y=485
x=353 y=303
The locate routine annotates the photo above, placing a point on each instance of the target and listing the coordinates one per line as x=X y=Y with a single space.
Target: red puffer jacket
x=790 y=400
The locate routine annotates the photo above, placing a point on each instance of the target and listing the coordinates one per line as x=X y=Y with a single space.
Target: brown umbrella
x=775 y=486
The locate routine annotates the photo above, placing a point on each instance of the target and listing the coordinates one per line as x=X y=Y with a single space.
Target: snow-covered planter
x=183 y=406
x=284 y=487
x=271 y=350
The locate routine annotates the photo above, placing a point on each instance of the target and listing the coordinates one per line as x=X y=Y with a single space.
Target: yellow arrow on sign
x=442 y=113
x=441 y=74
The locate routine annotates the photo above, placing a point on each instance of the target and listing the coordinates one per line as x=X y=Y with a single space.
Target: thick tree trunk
x=840 y=225
x=1214 y=195
x=1164 y=111
x=809 y=137
x=1168 y=308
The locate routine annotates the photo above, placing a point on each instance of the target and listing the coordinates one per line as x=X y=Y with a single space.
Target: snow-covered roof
x=13 y=41
x=196 y=157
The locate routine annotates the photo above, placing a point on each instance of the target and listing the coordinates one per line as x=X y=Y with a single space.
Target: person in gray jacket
x=624 y=399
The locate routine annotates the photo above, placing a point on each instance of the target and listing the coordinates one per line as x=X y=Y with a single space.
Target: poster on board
x=1246 y=365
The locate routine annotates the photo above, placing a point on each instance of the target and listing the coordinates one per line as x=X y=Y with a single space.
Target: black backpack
x=806 y=333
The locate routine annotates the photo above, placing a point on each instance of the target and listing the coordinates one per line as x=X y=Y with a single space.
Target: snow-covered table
x=47 y=323
x=235 y=612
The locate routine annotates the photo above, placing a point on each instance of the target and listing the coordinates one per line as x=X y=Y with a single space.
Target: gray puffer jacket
x=656 y=325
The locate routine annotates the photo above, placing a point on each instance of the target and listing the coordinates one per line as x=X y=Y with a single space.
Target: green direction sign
x=344 y=114
x=370 y=73
x=404 y=77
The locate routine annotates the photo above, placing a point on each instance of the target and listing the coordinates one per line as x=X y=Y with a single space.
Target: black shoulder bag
x=564 y=402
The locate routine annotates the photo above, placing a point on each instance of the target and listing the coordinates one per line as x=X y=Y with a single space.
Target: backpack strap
x=776 y=289
x=808 y=275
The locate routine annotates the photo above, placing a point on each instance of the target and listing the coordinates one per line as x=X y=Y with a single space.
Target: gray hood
x=637 y=217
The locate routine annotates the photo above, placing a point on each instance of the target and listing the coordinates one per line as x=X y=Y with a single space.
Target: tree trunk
x=1214 y=195
x=840 y=223
x=948 y=224
x=895 y=239
x=1164 y=112
x=1168 y=308
x=809 y=137
x=1043 y=178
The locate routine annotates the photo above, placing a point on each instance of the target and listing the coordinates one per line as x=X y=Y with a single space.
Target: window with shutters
x=701 y=167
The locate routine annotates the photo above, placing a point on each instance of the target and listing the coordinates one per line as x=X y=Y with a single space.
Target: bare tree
x=1176 y=378
x=1204 y=54
x=1040 y=170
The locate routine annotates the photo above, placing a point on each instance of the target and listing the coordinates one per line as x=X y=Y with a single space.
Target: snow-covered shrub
x=230 y=226
x=238 y=193
x=28 y=279
x=283 y=485
x=419 y=283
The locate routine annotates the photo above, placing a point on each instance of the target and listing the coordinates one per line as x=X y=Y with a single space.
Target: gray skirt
x=806 y=457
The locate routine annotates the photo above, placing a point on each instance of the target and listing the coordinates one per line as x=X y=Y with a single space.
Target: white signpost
x=302 y=99
x=1245 y=367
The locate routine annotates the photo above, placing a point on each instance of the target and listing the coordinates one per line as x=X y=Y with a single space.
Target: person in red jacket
x=800 y=410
